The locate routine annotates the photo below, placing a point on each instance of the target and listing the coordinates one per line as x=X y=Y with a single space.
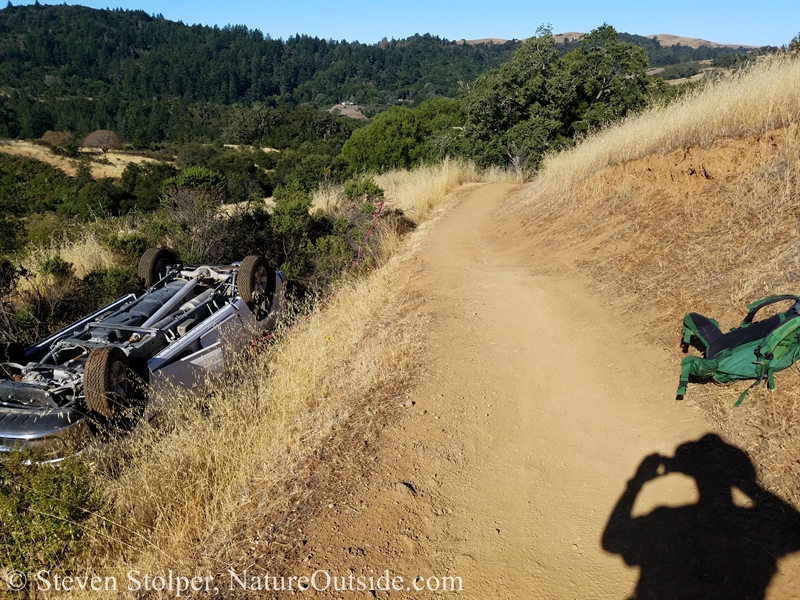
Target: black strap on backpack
x=766 y=302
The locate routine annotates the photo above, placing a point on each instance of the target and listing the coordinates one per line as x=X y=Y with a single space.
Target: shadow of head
x=716 y=466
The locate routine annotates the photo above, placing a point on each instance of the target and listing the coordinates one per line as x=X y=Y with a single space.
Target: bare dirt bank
x=537 y=406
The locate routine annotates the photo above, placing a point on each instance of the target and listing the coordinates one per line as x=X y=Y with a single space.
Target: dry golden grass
x=693 y=207
x=114 y=163
x=231 y=471
x=85 y=253
x=328 y=196
x=416 y=192
x=752 y=102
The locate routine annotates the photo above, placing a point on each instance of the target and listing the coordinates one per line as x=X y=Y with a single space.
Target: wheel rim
x=118 y=382
x=260 y=279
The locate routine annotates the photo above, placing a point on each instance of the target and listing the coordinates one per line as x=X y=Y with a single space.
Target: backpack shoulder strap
x=754 y=307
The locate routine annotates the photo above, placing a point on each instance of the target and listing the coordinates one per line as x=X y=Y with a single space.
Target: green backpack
x=751 y=351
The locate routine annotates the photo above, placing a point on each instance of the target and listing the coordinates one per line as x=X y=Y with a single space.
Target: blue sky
x=751 y=22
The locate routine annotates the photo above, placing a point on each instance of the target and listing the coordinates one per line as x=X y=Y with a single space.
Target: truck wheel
x=105 y=381
x=155 y=263
x=256 y=280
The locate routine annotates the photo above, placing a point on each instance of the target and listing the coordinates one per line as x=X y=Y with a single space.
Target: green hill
x=153 y=80
x=72 y=50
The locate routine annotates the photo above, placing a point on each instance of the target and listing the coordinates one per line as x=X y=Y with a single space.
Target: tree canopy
x=402 y=137
x=540 y=101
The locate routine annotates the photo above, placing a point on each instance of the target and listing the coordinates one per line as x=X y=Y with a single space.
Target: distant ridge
x=665 y=39
x=484 y=41
x=569 y=36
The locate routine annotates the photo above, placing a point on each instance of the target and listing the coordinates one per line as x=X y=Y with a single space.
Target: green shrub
x=680 y=71
x=332 y=255
x=11 y=234
x=196 y=177
x=363 y=188
x=95 y=199
x=103 y=286
x=43 y=228
x=142 y=185
x=265 y=160
x=42 y=510
x=132 y=245
x=363 y=192
x=57 y=267
x=158 y=229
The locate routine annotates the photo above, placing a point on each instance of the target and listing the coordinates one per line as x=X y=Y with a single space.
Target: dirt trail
x=537 y=405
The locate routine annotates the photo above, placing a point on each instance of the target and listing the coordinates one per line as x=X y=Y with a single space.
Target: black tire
x=256 y=280
x=106 y=384
x=154 y=264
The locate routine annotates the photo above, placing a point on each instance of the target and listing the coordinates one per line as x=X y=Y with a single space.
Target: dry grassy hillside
x=230 y=475
x=111 y=164
x=693 y=207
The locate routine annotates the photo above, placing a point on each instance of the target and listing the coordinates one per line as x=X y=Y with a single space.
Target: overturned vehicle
x=57 y=394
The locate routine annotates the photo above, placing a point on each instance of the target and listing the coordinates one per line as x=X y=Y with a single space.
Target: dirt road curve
x=537 y=406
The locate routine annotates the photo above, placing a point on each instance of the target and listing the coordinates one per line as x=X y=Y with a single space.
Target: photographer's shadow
x=710 y=550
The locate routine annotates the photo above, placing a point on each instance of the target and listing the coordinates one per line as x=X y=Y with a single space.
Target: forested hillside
x=75 y=51
x=662 y=56
x=153 y=80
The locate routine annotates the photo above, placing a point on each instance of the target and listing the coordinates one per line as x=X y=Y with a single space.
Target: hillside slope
x=551 y=365
x=693 y=208
x=113 y=163
x=668 y=39
x=538 y=403
x=74 y=50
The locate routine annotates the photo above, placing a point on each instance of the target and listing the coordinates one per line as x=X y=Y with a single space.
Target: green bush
x=680 y=71
x=196 y=177
x=103 y=286
x=95 y=199
x=392 y=140
x=364 y=192
x=142 y=185
x=363 y=189
x=57 y=267
x=265 y=160
x=12 y=234
x=42 y=510
x=42 y=228
x=403 y=137
x=131 y=245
